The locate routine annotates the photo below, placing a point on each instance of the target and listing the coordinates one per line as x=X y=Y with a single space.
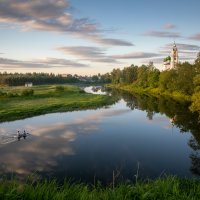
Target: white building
x=173 y=59
x=28 y=84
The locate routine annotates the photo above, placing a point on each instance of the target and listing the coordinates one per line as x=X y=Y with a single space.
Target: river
x=138 y=136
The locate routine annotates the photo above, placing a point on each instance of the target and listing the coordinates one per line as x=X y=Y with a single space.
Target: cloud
x=182 y=47
x=111 y=41
x=39 y=63
x=162 y=34
x=155 y=60
x=169 y=26
x=55 y=62
x=53 y=16
x=189 y=47
x=195 y=37
x=82 y=51
x=136 y=55
x=93 y=54
x=185 y=58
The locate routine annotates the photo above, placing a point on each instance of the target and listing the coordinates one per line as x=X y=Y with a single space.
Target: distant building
x=167 y=63
x=170 y=62
x=28 y=84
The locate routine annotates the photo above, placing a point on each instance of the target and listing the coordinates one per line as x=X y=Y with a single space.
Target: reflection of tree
x=195 y=156
x=150 y=115
x=185 y=120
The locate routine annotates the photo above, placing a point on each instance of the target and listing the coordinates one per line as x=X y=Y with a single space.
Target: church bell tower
x=174 y=56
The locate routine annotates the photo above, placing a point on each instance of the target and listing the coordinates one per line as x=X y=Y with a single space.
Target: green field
x=160 y=189
x=17 y=103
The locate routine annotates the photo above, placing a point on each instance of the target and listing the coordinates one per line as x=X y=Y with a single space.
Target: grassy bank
x=18 y=102
x=161 y=188
x=151 y=91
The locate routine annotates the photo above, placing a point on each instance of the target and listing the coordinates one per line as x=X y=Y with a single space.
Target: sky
x=87 y=37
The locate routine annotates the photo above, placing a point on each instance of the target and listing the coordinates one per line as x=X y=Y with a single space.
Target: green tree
x=167 y=80
x=184 y=79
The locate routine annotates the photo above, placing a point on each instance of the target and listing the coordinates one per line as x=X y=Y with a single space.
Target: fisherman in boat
x=19 y=135
x=24 y=134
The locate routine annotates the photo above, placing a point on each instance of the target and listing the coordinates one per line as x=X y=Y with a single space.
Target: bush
x=82 y=91
x=2 y=93
x=60 y=88
x=10 y=94
x=27 y=92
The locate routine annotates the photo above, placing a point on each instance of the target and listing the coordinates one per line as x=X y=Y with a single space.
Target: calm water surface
x=138 y=133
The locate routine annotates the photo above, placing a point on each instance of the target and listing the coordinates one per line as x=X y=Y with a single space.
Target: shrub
x=60 y=88
x=2 y=93
x=82 y=91
x=10 y=94
x=27 y=92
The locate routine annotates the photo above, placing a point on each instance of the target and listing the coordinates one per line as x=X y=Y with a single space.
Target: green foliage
x=18 y=79
x=181 y=83
x=195 y=102
x=59 y=88
x=27 y=92
x=8 y=94
x=142 y=77
x=197 y=61
x=196 y=82
x=195 y=107
x=184 y=79
x=167 y=80
x=168 y=58
x=2 y=93
x=11 y=94
x=153 y=78
x=161 y=188
x=116 y=76
x=178 y=80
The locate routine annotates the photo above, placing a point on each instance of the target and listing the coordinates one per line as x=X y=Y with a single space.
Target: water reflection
x=179 y=116
x=48 y=143
x=85 y=144
x=96 y=90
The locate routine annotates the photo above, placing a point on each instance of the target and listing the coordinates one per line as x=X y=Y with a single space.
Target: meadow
x=21 y=102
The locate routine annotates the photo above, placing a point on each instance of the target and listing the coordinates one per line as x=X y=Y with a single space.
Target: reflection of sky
x=96 y=141
x=98 y=90
x=49 y=140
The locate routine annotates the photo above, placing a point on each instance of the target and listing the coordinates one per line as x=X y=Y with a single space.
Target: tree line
x=19 y=79
x=184 y=79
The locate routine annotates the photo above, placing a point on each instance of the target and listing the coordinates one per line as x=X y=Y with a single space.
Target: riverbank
x=161 y=188
x=19 y=102
x=132 y=88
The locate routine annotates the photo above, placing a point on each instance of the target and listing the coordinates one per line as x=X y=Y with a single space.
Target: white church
x=171 y=61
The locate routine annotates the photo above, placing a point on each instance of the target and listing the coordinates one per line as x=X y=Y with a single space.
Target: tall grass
x=161 y=188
